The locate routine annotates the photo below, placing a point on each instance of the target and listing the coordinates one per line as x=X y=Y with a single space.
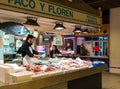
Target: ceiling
x=105 y=5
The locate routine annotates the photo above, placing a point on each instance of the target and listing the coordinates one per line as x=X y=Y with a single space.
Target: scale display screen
x=42 y=50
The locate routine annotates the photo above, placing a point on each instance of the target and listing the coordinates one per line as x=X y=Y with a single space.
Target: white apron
x=29 y=60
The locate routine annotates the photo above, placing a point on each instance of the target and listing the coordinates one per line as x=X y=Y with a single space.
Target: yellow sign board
x=45 y=9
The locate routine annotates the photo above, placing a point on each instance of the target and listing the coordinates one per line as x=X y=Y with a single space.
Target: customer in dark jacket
x=68 y=47
x=54 y=51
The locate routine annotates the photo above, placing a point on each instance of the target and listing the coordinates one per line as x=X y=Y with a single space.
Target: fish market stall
x=51 y=74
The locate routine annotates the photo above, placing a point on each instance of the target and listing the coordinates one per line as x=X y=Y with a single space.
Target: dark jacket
x=54 y=52
x=69 y=48
x=24 y=50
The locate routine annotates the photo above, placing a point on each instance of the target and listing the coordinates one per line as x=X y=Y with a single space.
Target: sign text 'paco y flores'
x=40 y=6
x=50 y=10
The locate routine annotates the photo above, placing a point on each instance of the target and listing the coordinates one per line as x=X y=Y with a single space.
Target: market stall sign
x=43 y=8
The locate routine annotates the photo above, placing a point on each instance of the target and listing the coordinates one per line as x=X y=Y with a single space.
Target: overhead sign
x=50 y=10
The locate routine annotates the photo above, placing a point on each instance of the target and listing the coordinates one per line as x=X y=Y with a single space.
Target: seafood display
x=58 y=64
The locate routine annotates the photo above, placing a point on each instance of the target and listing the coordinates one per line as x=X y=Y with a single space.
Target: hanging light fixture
x=59 y=26
x=31 y=21
x=85 y=31
x=77 y=29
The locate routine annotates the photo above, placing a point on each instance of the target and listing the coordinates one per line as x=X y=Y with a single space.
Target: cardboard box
x=4 y=73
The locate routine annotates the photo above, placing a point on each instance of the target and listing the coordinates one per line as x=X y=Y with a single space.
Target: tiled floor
x=111 y=81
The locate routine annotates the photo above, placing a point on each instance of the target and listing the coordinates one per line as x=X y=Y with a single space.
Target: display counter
x=98 y=58
x=87 y=78
x=104 y=57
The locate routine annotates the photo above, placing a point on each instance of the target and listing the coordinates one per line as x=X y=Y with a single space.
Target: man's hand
x=36 y=55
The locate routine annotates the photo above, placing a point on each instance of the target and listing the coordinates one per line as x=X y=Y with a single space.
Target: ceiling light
x=104 y=31
x=85 y=31
x=59 y=26
x=77 y=30
x=31 y=21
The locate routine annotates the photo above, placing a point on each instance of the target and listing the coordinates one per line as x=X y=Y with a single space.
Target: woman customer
x=54 y=51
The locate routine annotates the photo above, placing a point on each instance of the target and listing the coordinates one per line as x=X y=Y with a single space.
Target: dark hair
x=30 y=36
x=55 y=46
